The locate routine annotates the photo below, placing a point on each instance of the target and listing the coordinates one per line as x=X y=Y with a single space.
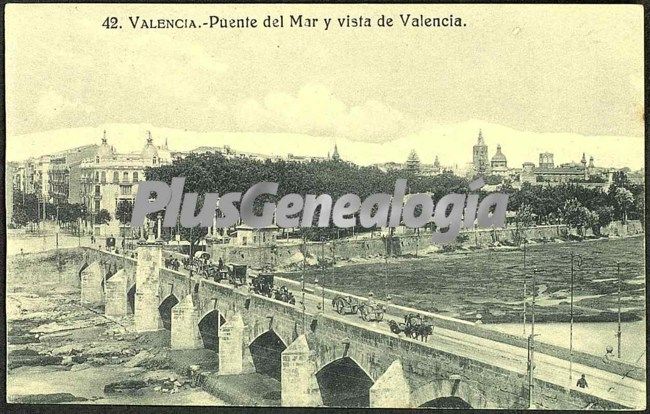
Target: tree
x=493 y=179
x=591 y=219
x=639 y=206
x=102 y=217
x=577 y=216
x=624 y=200
x=20 y=218
x=523 y=219
x=605 y=216
x=619 y=179
x=124 y=211
x=413 y=163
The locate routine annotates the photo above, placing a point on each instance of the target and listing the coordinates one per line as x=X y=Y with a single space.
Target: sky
x=535 y=69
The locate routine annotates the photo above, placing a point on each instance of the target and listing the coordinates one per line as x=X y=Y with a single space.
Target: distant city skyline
x=452 y=144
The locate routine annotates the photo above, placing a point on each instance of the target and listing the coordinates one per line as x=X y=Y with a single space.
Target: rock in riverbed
x=56 y=398
x=126 y=386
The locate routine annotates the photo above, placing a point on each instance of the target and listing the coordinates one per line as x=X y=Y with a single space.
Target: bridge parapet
x=458 y=325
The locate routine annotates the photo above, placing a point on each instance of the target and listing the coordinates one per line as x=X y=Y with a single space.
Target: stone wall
x=407 y=243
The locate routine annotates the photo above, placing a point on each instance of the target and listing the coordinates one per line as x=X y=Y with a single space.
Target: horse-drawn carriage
x=197 y=263
x=284 y=295
x=348 y=305
x=212 y=271
x=237 y=274
x=345 y=305
x=372 y=312
x=172 y=263
x=413 y=327
x=262 y=284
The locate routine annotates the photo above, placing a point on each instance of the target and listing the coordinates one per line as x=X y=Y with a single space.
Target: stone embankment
x=287 y=254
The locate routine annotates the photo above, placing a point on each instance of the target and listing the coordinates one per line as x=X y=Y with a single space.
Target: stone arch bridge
x=320 y=359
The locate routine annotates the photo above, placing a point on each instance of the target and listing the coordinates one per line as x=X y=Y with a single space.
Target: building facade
x=109 y=178
x=583 y=172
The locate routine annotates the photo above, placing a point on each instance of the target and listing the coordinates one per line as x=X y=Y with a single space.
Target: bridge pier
x=231 y=349
x=391 y=390
x=299 y=384
x=116 y=295
x=147 y=279
x=91 y=285
x=185 y=325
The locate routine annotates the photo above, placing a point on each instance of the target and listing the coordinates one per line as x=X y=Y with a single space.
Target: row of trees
x=572 y=204
x=28 y=209
x=214 y=173
x=578 y=206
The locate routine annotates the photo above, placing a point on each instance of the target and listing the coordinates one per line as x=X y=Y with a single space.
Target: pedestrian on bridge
x=371 y=300
x=582 y=382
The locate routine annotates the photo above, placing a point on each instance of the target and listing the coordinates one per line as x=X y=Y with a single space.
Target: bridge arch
x=449 y=393
x=266 y=352
x=344 y=383
x=130 y=299
x=209 y=329
x=165 y=310
x=108 y=271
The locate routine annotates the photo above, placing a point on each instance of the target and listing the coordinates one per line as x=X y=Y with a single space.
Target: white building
x=110 y=178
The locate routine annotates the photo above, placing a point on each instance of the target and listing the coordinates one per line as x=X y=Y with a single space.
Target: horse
x=423 y=331
x=398 y=328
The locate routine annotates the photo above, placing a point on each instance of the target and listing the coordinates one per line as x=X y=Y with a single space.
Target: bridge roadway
x=603 y=384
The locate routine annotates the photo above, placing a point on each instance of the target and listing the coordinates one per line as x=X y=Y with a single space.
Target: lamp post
x=191 y=260
x=386 y=269
x=531 y=350
x=159 y=227
x=58 y=257
x=302 y=279
x=579 y=264
x=322 y=255
x=525 y=275
x=618 y=333
x=524 y=306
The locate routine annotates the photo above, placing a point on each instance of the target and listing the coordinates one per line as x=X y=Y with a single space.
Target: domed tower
x=480 y=155
x=499 y=163
x=104 y=151
x=149 y=152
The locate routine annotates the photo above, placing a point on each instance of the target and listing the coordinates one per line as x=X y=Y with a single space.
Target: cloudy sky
x=539 y=69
